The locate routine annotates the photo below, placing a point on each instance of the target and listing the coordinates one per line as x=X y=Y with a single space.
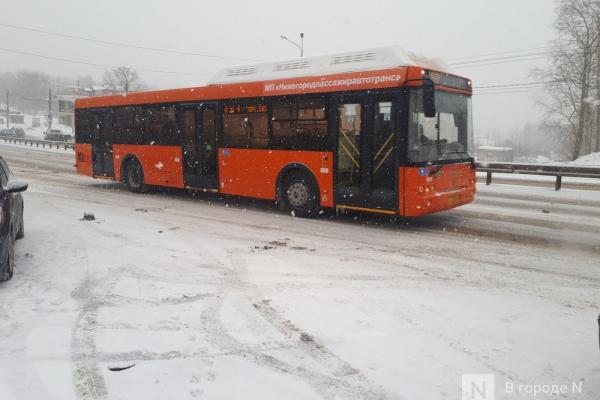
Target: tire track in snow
x=341 y=380
x=87 y=376
x=88 y=380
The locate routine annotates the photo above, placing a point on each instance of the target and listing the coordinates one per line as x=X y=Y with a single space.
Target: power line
x=97 y=65
x=501 y=90
x=131 y=46
x=508 y=59
x=506 y=92
x=500 y=58
x=511 y=88
x=500 y=53
x=512 y=85
x=483 y=64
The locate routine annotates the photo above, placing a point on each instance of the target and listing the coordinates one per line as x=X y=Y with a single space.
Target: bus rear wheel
x=134 y=176
x=301 y=194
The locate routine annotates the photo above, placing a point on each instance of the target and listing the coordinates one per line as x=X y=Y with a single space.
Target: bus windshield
x=445 y=137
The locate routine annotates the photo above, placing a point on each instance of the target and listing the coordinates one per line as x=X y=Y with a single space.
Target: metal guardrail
x=40 y=143
x=559 y=171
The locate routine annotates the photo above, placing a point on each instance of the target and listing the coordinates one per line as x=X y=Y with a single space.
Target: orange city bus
x=379 y=130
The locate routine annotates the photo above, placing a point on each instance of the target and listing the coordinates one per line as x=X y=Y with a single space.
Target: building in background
x=65 y=109
x=16 y=117
x=66 y=97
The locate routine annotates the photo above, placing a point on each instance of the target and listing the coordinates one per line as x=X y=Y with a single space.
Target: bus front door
x=198 y=124
x=366 y=156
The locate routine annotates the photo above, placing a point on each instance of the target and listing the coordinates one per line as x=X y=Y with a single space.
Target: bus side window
x=159 y=126
x=124 y=127
x=82 y=127
x=95 y=125
x=299 y=124
x=245 y=125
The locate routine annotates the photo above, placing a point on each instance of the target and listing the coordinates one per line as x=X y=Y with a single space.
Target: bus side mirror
x=429 y=98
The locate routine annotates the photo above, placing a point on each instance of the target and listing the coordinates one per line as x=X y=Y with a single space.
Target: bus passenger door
x=102 y=147
x=366 y=156
x=349 y=127
x=197 y=122
x=208 y=141
x=383 y=171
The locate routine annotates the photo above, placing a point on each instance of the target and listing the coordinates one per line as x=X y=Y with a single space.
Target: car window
x=6 y=168
x=3 y=174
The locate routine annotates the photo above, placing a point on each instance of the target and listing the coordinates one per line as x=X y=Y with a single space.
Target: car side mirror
x=16 y=186
x=429 y=98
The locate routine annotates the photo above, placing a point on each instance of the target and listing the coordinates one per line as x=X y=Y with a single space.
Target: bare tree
x=28 y=89
x=123 y=78
x=569 y=80
x=85 y=80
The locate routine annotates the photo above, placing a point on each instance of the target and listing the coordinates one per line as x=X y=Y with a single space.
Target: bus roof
x=355 y=61
x=363 y=70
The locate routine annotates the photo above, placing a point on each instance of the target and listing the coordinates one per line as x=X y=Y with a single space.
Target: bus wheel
x=301 y=194
x=134 y=176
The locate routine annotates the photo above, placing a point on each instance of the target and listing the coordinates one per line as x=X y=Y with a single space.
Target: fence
x=40 y=143
x=559 y=171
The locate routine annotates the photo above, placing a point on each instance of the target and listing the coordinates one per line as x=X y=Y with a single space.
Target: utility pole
x=49 y=108
x=7 y=109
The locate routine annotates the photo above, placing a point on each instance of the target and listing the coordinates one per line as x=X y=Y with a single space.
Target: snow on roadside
x=38 y=132
x=590 y=159
x=220 y=302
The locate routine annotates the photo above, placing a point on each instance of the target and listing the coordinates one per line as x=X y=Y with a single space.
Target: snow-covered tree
x=572 y=80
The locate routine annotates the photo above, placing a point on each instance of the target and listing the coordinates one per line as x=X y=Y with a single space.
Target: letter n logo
x=478 y=387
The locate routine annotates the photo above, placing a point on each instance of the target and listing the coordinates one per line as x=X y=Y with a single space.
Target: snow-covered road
x=226 y=298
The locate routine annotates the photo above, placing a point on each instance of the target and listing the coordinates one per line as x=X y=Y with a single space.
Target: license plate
x=452 y=200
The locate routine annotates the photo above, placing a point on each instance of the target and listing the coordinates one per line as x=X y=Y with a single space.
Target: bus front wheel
x=301 y=194
x=134 y=176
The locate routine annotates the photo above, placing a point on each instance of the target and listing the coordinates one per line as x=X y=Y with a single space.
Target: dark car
x=13 y=132
x=12 y=226
x=57 y=135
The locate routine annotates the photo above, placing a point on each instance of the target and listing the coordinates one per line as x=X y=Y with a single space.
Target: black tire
x=300 y=194
x=134 y=176
x=21 y=232
x=7 y=269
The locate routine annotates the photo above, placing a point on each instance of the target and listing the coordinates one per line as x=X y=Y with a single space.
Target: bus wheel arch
x=298 y=190
x=132 y=174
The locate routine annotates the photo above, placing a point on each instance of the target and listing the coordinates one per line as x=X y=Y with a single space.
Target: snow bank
x=590 y=159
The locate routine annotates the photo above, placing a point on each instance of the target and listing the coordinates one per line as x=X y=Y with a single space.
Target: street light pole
x=7 y=109
x=299 y=46
x=49 y=108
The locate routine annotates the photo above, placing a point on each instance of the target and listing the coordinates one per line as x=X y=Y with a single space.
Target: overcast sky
x=251 y=29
